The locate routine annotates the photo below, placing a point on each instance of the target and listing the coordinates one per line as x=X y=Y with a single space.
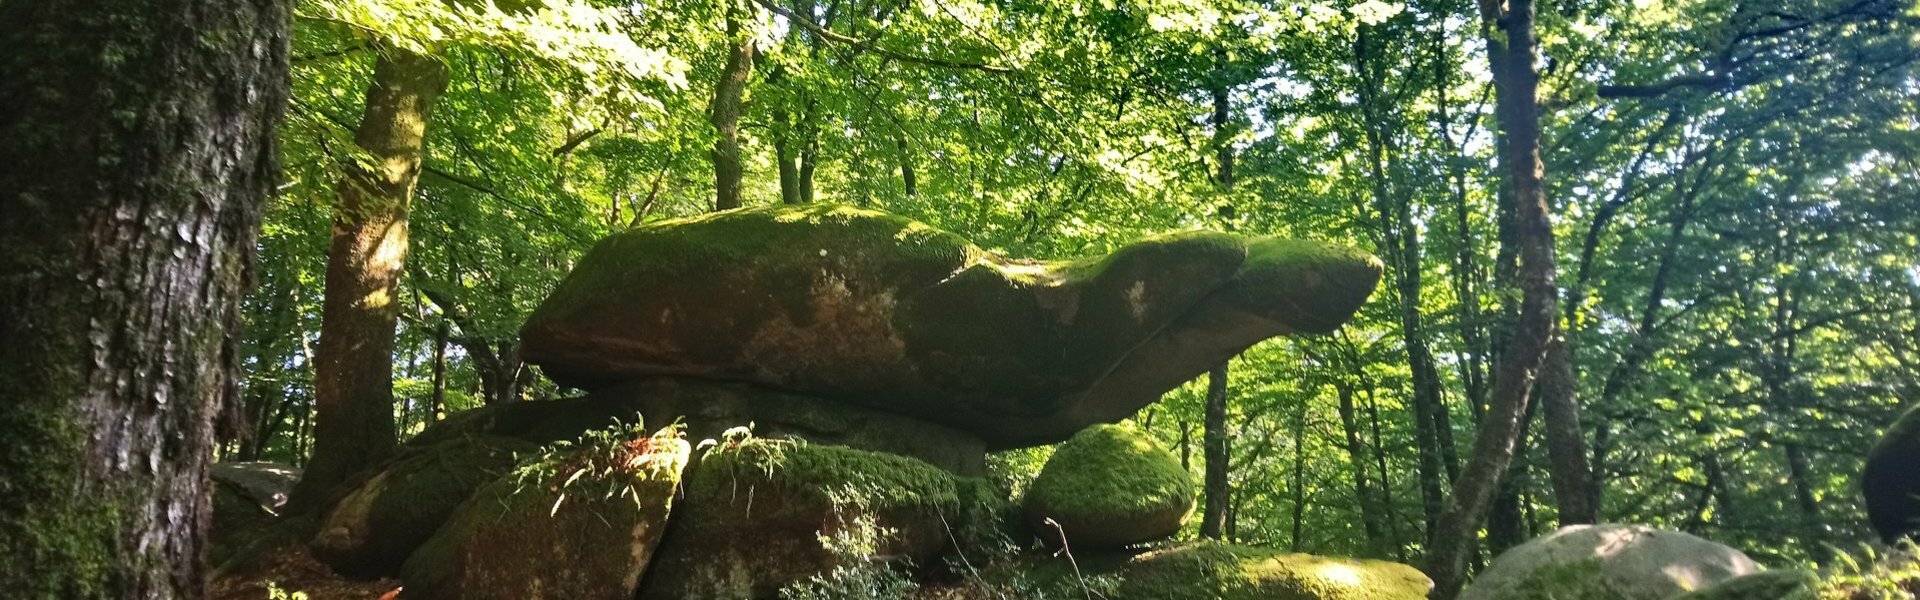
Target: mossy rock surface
x=372 y=529
x=709 y=408
x=580 y=522
x=759 y=515
x=248 y=495
x=1891 y=481
x=1608 y=562
x=1783 y=584
x=1218 y=571
x=1110 y=486
x=872 y=308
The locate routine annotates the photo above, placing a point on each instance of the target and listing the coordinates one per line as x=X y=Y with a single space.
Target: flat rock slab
x=875 y=309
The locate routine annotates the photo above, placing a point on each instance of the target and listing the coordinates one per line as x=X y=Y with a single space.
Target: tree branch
x=870 y=46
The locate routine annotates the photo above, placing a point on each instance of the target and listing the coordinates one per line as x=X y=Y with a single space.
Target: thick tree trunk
x=137 y=139
x=1215 y=489
x=353 y=427
x=724 y=112
x=1511 y=54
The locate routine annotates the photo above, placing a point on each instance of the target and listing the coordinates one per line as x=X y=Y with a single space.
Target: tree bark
x=1511 y=52
x=1213 y=515
x=1566 y=440
x=724 y=111
x=138 y=144
x=1369 y=507
x=353 y=427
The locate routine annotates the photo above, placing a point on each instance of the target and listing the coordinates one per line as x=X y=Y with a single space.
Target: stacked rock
x=878 y=359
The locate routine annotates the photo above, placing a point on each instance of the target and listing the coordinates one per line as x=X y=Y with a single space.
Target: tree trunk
x=1511 y=54
x=437 y=401
x=137 y=141
x=354 y=368
x=728 y=94
x=1566 y=439
x=1213 y=516
x=1370 y=508
x=908 y=180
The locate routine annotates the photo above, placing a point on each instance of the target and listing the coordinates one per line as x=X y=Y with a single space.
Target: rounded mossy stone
x=758 y=515
x=580 y=521
x=1110 y=486
x=1891 y=480
x=1608 y=562
x=1782 y=584
x=1218 y=571
x=371 y=530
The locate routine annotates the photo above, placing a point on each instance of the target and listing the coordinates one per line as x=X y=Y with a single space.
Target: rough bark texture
x=724 y=112
x=353 y=425
x=1511 y=53
x=137 y=141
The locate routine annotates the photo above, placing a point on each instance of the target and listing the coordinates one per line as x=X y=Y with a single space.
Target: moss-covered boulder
x=371 y=530
x=876 y=309
x=1785 y=584
x=582 y=521
x=1217 y=571
x=759 y=515
x=1110 y=486
x=248 y=495
x=1608 y=562
x=709 y=408
x=1891 y=481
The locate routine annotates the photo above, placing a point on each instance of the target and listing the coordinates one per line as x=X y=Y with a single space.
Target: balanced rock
x=1892 y=480
x=580 y=523
x=760 y=515
x=1217 y=571
x=1110 y=486
x=875 y=309
x=1608 y=562
x=371 y=530
x=1784 y=584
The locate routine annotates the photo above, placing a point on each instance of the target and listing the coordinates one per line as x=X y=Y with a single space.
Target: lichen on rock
x=1782 y=584
x=1608 y=562
x=1110 y=486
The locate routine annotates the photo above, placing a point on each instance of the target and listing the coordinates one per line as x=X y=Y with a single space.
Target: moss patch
x=373 y=529
x=1216 y=571
x=1111 y=485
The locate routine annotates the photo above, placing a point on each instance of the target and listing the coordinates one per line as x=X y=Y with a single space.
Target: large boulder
x=1892 y=480
x=708 y=408
x=1110 y=486
x=875 y=309
x=1608 y=562
x=1217 y=571
x=371 y=530
x=248 y=494
x=583 y=521
x=759 y=515
x=1784 y=584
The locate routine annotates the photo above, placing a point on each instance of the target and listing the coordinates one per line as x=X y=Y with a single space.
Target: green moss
x=1563 y=581
x=827 y=476
x=1784 y=584
x=1216 y=571
x=1107 y=477
x=1306 y=285
x=373 y=529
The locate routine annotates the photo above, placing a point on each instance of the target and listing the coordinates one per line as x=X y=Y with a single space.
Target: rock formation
x=1608 y=562
x=1107 y=487
x=877 y=361
x=1892 y=480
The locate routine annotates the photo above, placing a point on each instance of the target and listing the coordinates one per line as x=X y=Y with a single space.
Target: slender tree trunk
x=1370 y=508
x=724 y=112
x=1511 y=54
x=437 y=402
x=354 y=428
x=1566 y=439
x=908 y=180
x=1213 y=515
x=137 y=141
